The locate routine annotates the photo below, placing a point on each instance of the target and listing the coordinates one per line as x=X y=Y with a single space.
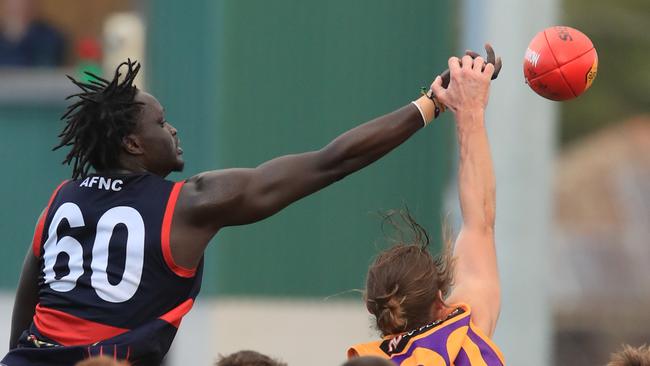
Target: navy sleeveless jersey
x=108 y=283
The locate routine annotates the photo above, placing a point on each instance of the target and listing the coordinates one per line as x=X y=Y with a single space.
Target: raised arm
x=476 y=276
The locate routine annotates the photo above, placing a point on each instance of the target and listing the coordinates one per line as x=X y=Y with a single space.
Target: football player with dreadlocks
x=117 y=253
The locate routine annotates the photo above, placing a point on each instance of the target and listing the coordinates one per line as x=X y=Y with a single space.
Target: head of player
x=102 y=361
x=368 y=361
x=406 y=285
x=248 y=358
x=115 y=127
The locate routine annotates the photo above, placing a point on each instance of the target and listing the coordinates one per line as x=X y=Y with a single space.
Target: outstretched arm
x=241 y=196
x=26 y=298
x=476 y=276
x=212 y=200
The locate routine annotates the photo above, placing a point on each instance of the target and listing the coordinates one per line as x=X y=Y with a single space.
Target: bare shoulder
x=192 y=200
x=208 y=195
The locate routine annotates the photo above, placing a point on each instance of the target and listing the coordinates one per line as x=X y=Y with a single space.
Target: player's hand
x=469 y=84
x=491 y=59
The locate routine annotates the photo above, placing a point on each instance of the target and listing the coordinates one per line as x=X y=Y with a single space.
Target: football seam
x=559 y=67
x=575 y=58
x=550 y=49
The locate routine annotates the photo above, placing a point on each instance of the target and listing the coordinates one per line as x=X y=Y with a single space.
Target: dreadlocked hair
x=96 y=123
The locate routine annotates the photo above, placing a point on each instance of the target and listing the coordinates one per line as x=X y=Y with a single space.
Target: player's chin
x=180 y=164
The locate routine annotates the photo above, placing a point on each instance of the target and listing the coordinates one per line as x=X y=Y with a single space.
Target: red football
x=560 y=63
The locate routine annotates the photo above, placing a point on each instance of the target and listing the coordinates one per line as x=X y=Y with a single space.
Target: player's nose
x=172 y=129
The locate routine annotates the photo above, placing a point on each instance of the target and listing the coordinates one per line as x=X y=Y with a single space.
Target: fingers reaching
x=467 y=62
x=479 y=63
x=489 y=70
x=456 y=62
x=471 y=53
x=437 y=88
x=446 y=78
x=446 y=75
x=490 y=53
x=492 y=59
x=497 y=68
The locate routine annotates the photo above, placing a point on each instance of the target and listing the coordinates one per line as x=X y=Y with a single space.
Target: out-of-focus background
x=245 y=81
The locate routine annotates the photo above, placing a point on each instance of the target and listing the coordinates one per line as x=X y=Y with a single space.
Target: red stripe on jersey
x=70 y=330
x=175 y=315
x=166 y=229
x=38 y=232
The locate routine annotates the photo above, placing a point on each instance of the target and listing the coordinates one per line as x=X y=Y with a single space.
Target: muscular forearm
x=249 y=195
x=476 y=183
x=366 y=143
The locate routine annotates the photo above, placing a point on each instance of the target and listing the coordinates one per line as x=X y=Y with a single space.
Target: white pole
x=124 y=38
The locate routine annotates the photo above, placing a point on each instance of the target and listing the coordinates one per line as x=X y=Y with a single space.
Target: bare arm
x=26 y=298
x=476 y=274
x=241 y=196
x=212 y=200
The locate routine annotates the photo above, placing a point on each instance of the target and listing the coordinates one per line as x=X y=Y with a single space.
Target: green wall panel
x=246 y=81
x=31 y=172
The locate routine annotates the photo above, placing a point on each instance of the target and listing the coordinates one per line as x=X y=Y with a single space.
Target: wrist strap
x=439 y=107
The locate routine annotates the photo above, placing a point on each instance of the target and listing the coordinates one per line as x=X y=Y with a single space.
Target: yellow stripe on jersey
x=456 y=340
x=473 y=353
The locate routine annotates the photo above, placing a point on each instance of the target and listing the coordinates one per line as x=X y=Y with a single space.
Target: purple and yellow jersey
x=454 y=341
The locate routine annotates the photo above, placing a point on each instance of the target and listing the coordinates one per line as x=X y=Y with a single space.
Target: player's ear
x=131 y=144
x=368 y=306
x=441 y=298
x=438 y=304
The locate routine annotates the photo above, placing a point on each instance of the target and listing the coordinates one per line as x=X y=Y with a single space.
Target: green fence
x=30 y=173
x=246 y=81
x=251 y=80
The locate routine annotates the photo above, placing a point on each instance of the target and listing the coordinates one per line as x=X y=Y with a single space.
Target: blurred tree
x=620 y=32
